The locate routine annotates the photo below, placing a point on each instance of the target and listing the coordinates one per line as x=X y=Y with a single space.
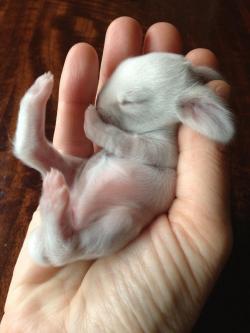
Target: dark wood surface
x=36 y=35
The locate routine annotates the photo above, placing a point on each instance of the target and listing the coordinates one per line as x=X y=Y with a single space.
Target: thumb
x=203 y=183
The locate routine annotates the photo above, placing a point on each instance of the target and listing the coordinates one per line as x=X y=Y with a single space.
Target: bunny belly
x=108 y=182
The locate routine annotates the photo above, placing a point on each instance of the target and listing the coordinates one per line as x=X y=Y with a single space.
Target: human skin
x=159 y=282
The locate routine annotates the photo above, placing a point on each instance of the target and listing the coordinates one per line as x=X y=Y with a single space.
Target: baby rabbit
x=94 y=207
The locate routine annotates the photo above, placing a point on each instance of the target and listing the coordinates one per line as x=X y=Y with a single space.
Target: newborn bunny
x=93 y=207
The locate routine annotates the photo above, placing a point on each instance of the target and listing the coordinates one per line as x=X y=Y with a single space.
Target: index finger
x=77 y=90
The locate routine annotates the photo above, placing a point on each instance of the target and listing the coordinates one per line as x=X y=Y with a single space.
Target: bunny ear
x=204 y=112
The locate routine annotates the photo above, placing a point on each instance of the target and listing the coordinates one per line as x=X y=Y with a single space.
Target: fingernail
x=223 y=91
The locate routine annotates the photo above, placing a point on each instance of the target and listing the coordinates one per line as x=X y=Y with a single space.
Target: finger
x=204 y=57
x=221 y=88
x=77 y=90
x=162 y=37
x=123 y=39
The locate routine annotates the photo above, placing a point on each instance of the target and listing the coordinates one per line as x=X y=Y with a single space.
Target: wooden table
x=36 y=35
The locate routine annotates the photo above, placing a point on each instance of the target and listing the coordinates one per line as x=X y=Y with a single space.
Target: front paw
x=92 y=123
x=53 y=243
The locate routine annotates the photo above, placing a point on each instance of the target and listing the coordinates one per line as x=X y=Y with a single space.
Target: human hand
x=161 y=280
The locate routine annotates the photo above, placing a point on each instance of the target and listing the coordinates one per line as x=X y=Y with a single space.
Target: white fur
x=92 y=208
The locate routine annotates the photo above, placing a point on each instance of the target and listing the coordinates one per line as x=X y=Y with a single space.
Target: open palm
x=160 y=281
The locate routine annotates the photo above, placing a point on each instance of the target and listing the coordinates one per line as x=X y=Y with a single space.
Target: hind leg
x=109 y=234
x=30 y=143
x=54 y=241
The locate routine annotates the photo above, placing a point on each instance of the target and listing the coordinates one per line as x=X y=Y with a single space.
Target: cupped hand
x=160 y=281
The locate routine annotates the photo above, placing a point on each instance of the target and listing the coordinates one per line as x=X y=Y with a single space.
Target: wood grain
x=36 y=35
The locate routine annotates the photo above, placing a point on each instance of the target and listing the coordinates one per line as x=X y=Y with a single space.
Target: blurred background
x=36 y=35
